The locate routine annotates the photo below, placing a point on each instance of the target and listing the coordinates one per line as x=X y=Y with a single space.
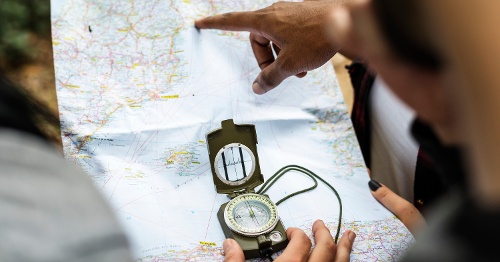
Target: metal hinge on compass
x=240 y=192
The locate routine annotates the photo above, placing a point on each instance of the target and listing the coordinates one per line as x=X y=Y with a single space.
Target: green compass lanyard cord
x=309 y=173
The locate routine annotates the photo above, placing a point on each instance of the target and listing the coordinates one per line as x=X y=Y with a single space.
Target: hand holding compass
x=300 y=246
x=251 y=218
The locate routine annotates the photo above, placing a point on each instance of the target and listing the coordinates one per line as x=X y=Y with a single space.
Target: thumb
x=232 y=251
x=270 y=77
x=400 y=207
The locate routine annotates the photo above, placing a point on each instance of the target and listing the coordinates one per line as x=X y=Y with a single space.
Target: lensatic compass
x=249 y=218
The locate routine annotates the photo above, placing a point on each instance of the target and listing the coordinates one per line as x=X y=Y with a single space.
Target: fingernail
x=352 y=236
x=319 y=221
x=257 y=88
x=374 y=185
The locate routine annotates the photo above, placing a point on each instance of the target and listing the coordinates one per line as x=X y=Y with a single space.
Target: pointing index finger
x=234 y=21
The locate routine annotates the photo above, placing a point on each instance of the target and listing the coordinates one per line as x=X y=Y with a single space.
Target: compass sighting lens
x=234 y=163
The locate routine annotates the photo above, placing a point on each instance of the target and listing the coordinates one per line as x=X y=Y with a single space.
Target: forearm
x=341 y=32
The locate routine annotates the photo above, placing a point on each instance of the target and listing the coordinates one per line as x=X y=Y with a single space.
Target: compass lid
x=233 y=158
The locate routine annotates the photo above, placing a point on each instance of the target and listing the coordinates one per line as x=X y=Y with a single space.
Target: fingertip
x=319 y=221
x=374 y=185
x=258 y=89
x=381 y=192
x=301 y=75
x=228 y=244
x=320 y=230
x=294 y=233
x=351 y=235
x=271 y=76
x=298 y=248
x=347 y=239
x=232 y=251
x=202 y=23
x=322 y=234
x=345 y=246
x=317 y=225
x=325 y=247
x=291 y=230
x=197 y=23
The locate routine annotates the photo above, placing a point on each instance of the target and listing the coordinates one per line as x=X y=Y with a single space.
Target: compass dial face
x=234 y=164
x=251 y=214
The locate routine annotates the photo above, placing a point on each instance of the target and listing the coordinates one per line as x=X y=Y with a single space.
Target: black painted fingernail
x=374 y=185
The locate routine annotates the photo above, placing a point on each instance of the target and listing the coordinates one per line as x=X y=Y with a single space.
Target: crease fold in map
x=138 y=93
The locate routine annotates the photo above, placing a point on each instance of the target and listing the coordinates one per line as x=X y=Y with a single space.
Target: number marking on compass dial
x=251 y=214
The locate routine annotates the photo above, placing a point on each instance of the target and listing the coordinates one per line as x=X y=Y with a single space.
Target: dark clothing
x=439 y=168
x=362 y=82
x=453 y=233
x=458 y=229
x=428 y=184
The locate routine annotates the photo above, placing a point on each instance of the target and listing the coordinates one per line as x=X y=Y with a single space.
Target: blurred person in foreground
x=437 y=60
x=49 y=210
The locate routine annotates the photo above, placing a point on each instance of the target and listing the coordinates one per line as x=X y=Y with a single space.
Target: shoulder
x=51 y=207
x=458 y=231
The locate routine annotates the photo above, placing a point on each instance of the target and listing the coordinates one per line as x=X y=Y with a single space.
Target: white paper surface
x=139 y=87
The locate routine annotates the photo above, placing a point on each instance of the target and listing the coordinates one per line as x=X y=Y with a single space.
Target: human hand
x=400 y=207
x=296 y=31
x=299 y=248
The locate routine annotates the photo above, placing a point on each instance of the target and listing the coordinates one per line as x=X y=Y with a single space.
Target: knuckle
x=288 y=65
x=279 y=4
x=267 y=80
x=225 y=18
x=231 y=256
x=285 y=65
x=330 y=245
x=304 y=238
x=406 y=209
x=381 y=194
x=274 y=10
x=275 y=5
x=307 y=241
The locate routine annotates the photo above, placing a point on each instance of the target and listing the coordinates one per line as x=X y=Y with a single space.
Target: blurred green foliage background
x=20 y=22
x=26 y=53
